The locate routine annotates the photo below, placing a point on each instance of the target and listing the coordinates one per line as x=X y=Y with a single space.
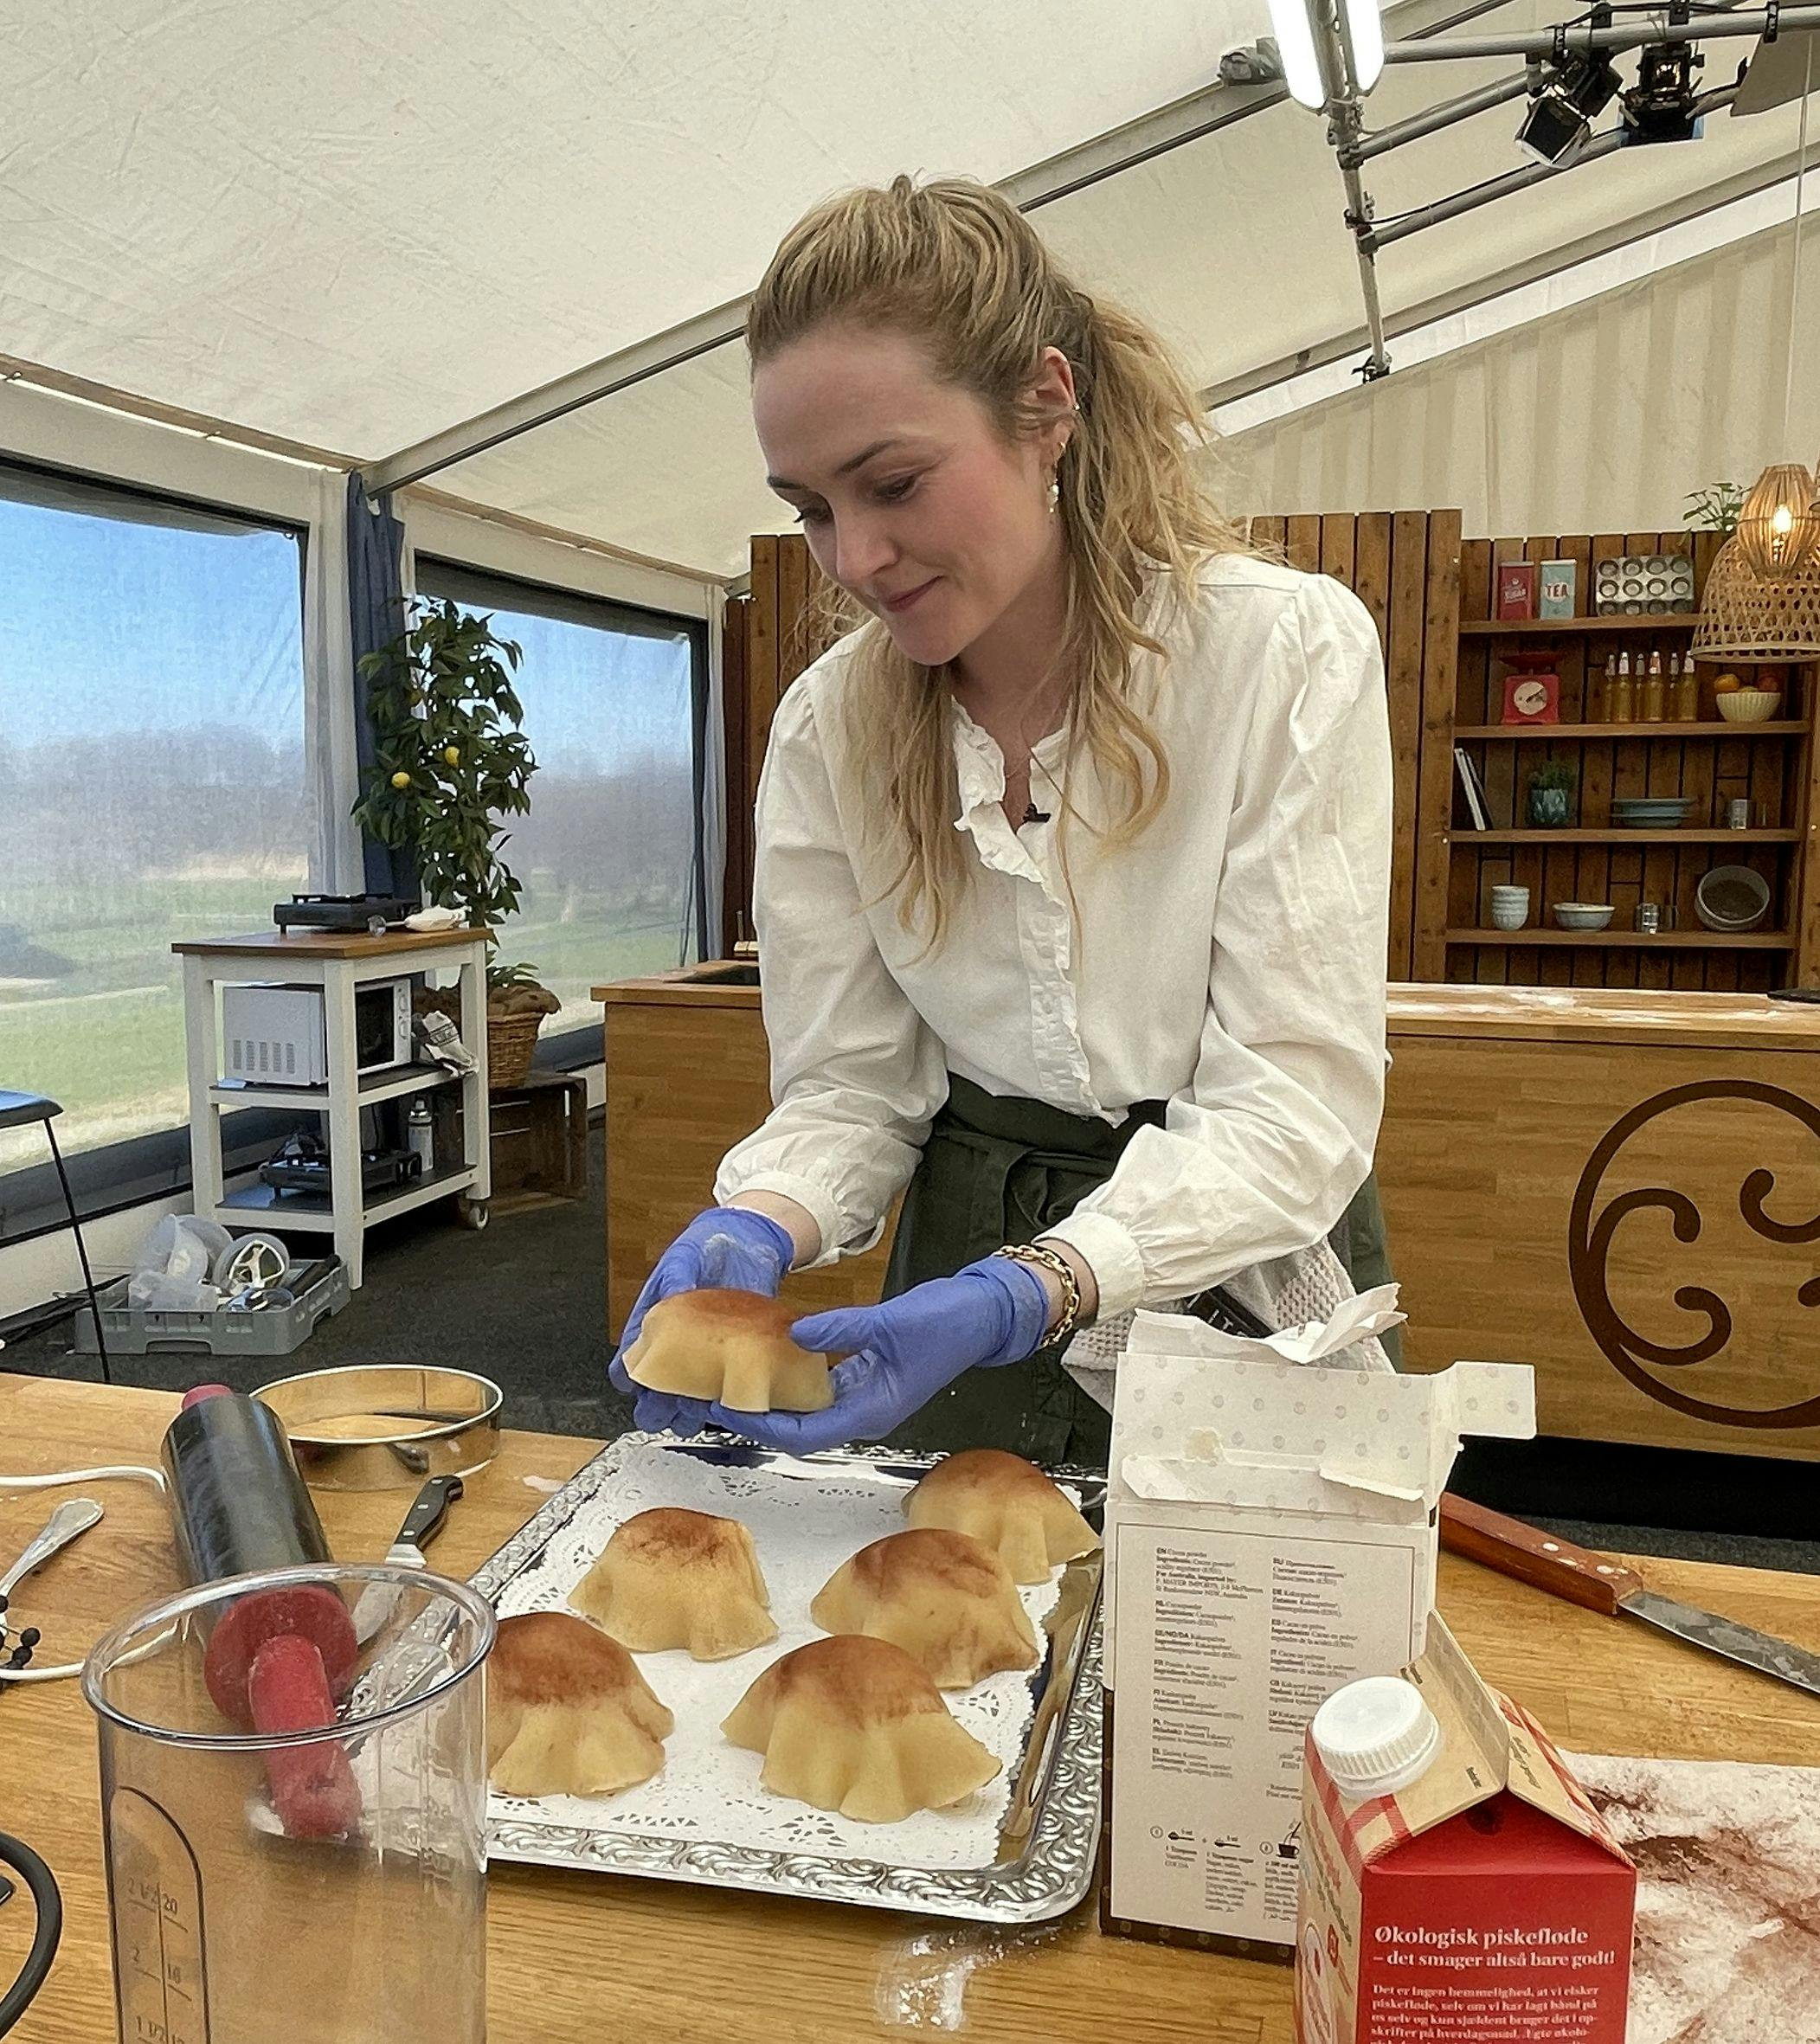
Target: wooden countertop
x=1531 y=1014
x=282 y=944
x=1587 y=1014
x=672 y=1965
x=693 y=985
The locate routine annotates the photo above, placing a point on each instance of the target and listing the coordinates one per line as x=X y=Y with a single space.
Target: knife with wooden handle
x=1602 y=1584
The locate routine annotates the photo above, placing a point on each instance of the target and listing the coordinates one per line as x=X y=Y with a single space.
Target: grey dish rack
x=320 y=1288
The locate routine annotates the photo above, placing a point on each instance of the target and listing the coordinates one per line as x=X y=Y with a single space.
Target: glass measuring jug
x=326 y=1886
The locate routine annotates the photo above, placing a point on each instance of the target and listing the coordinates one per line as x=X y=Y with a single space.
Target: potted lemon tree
x=450 y=763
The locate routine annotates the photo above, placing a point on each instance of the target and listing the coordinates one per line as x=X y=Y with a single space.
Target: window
x=608 y=856
x=153 y=783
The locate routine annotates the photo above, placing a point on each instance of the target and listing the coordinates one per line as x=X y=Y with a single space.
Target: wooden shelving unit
x=1430 y=594
x=1628 y=940
x=1592 y=858
x=1616 y=835
x=1717 y=728
x=1661 y=620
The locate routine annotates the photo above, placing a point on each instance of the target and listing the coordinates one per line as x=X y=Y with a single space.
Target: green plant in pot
x=1551 y=794
x=450 y=762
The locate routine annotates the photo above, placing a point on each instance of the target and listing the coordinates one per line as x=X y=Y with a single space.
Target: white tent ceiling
x=356 y=224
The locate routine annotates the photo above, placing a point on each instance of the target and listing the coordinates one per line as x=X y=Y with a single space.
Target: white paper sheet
x=709 y=1789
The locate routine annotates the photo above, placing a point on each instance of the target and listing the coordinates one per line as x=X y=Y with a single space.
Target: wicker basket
x=511 y=1040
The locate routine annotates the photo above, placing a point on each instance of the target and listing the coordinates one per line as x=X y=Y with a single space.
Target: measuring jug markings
x=156 y=1888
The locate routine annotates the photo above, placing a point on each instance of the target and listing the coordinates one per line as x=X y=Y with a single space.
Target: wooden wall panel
x=1339 y=548
x=737 y=889
x=1303 y=543
x=1371 y=565
x=792 y=594
x=1440 y=665
x=767 y=625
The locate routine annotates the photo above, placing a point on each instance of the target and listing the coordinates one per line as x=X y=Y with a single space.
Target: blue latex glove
x=993 y=1312
x=727 y=1246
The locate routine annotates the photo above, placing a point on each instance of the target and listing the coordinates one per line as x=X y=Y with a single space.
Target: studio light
x=1560 y=119
x=1659 y=107
x=1329 y=48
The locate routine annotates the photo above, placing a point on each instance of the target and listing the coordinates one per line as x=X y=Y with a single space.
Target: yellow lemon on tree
x=452 y=754
x=401 y=779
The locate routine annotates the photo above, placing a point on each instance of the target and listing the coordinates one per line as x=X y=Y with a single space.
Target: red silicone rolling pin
x=280 y=1659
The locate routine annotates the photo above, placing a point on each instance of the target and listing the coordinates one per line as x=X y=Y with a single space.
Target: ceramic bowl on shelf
x=1732 y=899
x=1749 y=706
x=1583 y=915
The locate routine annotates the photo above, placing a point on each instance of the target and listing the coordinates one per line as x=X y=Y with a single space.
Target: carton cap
x=1376 y=1736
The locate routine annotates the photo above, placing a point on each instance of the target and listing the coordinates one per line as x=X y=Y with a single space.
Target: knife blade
x=376 y=1602
x=1601 y=1585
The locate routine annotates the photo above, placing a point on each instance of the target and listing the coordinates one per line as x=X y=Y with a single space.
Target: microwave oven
x=277 y=1035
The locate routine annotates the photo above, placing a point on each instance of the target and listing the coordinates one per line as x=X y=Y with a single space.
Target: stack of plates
x=1657 y=813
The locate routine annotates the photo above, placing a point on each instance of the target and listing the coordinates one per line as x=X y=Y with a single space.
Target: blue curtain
x=376 y=613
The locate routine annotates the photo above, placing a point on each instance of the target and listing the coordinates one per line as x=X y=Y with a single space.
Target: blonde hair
x=955 y=267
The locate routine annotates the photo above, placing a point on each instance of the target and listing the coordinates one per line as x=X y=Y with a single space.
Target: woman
x=1072 y=862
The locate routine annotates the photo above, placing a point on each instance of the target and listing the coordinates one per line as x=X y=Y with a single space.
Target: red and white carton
x=1484 y=1901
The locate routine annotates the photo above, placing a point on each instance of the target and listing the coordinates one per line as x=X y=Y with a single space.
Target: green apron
x=1362 y=1245
x=996 y=1172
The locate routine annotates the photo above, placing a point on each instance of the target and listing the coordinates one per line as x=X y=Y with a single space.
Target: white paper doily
x=708 y=1788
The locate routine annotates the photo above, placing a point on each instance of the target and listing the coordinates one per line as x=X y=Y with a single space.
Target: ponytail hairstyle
x=957 y=269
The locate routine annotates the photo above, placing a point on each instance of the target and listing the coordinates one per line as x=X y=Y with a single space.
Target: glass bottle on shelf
x=1607 y=692
x=1687 y=692
x=1654 y=701
x=1623 y=700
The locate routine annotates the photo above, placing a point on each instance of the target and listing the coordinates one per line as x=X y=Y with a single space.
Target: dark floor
x=523 y=1302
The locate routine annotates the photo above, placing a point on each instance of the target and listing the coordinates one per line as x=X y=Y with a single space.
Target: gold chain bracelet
x=1048 y=1259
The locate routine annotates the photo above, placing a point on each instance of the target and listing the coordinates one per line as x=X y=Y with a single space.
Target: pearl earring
x=1055 y=496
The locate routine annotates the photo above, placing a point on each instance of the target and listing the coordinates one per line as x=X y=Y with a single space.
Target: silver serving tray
x=1049 y=1841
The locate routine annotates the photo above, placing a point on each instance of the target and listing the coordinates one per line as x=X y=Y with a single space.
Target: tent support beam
x=1121 y=149
x=1537 y=269
x=1701 y=28
x=1613 y=139
x=1188 y=120
x=1446 y=115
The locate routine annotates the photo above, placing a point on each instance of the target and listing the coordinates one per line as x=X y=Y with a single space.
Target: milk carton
x=1455 y=1881
x=1270 y=1537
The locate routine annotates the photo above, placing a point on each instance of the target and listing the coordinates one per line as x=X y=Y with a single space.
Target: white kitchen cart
x=337 y=963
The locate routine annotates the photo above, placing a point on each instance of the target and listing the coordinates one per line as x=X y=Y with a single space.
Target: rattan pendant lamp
x=1779 y=529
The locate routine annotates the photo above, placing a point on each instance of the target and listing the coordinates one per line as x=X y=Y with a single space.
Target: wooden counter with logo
x=1621 y=1188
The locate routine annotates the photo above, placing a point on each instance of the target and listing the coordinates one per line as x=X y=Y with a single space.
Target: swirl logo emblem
x=1622 y=1245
